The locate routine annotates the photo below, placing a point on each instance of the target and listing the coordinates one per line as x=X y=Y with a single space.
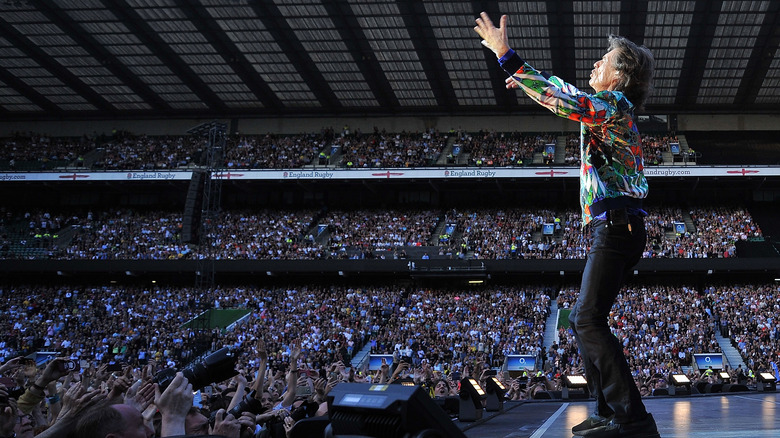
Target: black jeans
x=615 y=249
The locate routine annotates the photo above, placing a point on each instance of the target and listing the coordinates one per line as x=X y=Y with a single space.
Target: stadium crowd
x=504 y=149
x=701 y=232
x=746 y=314
x=121 y=150
x=298 y=342
x=382 y=149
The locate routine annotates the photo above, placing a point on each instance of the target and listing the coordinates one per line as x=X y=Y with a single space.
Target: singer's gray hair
x=635 y=65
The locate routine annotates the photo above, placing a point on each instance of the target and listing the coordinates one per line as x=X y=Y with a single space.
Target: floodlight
x=471 y=397
x=574 y=382
x=496 y=394
x=766 y=382
x=680 y=384
x=680 y=379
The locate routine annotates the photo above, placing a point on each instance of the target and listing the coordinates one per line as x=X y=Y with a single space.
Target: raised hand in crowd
x=173 y=404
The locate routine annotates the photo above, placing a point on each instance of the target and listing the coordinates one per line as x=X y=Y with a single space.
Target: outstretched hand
x=77 y=399
x=494 y=38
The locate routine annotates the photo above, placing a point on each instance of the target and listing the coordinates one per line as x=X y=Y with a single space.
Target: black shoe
x=645 y=428
x=592 y=422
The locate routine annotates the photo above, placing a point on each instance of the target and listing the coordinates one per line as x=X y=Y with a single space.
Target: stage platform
x=743 y=414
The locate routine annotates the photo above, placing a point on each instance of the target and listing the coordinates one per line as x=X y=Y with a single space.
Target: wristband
x=37 y=386
x=53 y=399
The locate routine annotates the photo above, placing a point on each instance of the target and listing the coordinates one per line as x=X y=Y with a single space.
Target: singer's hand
x=494 y=38
x=510 y=83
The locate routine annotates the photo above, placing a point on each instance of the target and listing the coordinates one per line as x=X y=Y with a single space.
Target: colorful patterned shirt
x=612 y=169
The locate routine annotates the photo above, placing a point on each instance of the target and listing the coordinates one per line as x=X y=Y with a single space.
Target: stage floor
x=744 y=414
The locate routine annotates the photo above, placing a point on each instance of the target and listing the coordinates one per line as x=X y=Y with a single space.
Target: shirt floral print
x=612 y=169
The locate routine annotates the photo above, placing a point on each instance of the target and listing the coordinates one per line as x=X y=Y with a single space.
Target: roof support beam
x=27 y=91
x=705 y=21
x=561 y=30
x=365 y=59
x=633 y=17
x=209 y=28
x=422 y=37
x=761 y=57
x=67 y=78
x=59 y=17
x=149 y=37
x=289 y=43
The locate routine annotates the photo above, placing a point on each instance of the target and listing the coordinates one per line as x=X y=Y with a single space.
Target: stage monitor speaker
x=735 y=387
x=386 y=411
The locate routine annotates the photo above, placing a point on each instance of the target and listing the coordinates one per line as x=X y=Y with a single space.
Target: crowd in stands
x=307 y=234
x=123 y=150
x=42 y=152
x=298 y=342
x=450 y=329
x=140 y=331
x=383 y=149
x=661 y=327
x=498 y=234
x=379 y=229
x=276 y=151
x=654 y=146
x=501 y=149
x=747 y=314
x=572 y=150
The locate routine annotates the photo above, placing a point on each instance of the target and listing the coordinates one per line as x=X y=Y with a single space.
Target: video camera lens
x=215 y=367
x=248 y=404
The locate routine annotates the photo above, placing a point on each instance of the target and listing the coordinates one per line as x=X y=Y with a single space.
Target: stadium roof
x=243 y=58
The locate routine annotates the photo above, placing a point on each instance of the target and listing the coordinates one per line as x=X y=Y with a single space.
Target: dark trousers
x=615 y=249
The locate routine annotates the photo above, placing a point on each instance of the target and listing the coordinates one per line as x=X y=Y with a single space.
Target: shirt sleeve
x=560 y=97
x=28 y=401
